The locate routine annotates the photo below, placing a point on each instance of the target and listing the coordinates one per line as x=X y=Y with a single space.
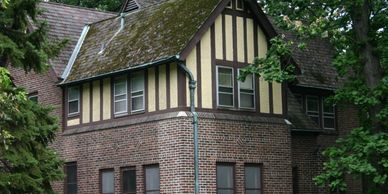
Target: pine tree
x=27 y=164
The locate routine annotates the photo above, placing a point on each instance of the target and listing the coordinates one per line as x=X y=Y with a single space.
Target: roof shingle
x=67 y=22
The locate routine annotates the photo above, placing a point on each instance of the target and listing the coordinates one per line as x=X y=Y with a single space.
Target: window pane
x=120 y=106
x=329 y=123
x=107 y=182
x=239 y=4
x=225 y=99
x=73 y=93
x=328 y=108
x=315 y=119
x=71 y=189
x=248 y=83
x=73 y=107
x=312 y=104
x=225 y=176
x=120 y=87
x=246 y=101
x=129 y=181
x=223 y=191
x=137 y=81
x=252 y=192
x=137 y=103
x=152 y=178
x=225 y=77
x=252 y=177
x=152 y=192
x=71 y=178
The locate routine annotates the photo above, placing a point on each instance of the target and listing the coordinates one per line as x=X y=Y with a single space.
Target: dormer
x=129 y=6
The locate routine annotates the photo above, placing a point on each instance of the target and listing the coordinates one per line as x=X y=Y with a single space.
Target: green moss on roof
x=149 y=35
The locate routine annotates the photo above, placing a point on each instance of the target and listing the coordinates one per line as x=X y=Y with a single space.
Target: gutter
x=192 y=86
x=112 y=73
x=74 y=55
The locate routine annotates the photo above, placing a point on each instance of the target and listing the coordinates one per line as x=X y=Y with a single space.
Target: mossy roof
x=159 y=32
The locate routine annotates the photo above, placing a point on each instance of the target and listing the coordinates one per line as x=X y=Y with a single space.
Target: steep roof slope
x=67 y=22
x=158 y=32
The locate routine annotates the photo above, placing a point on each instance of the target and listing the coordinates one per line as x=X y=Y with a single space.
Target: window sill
x=236 y=109
x=73 y=115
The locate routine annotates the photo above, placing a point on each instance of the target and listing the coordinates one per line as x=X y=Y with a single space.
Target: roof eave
x=132 y=68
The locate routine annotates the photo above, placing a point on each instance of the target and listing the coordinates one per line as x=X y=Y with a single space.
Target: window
x=128 y=180
x=152 y=179
x=74 y=96
x=225 y=179
x=120 y=96
x=328 y=115
x=71 y=178
x=252 y=179
x=137 y=92
x=312 y=108
x=33 y=97
x=247 y=92
x=229 y=5
x=107 y=181
x=239 y=5
x=225 y=86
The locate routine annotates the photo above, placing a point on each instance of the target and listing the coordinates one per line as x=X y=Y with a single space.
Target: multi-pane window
x=247 y=92
x=225 y=86
x=128 y=180
x=137 y=92
x=73 y=100
x=239 y=4
x=107 y=181
x=252 y=179
x=225 y=178
x=328 y=115
x=71 y=178
x=152 y=179
x=312 y=108
x=120 y=96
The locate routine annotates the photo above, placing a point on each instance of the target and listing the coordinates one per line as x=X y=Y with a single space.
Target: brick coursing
x=307 y=149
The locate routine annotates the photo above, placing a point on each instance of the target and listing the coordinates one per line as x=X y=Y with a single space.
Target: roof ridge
x=78 y=7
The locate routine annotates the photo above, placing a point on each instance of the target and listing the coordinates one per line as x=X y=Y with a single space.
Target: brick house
x=122 y=94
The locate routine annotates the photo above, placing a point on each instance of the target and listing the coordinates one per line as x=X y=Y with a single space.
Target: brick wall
x=170 y=144
x=307 y=149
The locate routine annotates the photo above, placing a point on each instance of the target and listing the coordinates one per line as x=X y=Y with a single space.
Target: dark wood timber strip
x=80 y=103
x=181 y=87
x=199 y=76
x=157 y=88
x=213 y=65
x=168 y=84
x=270 y=97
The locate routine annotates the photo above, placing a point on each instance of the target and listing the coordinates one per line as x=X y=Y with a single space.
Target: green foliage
x=23 y=41
x=358 y=32
x=27 y=165
x=353 y=155
x=107 y=5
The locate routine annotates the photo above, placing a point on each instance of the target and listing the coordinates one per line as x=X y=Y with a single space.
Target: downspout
x=192 y=86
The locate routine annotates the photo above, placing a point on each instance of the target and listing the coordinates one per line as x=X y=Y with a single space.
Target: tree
x=358 y=32
x=107 y=5
x=27 y=165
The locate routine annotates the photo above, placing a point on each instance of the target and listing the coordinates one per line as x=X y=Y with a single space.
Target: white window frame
x=253 y=89
x=307 y=108
x=141 y=73
x=242 y=4
x=329 y=115
x=125 y=80
x=73 y=100
x=217 y=86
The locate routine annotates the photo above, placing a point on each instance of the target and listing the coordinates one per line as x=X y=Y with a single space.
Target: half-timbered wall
x=233 y=40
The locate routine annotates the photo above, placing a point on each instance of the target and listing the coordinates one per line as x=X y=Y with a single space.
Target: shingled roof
x=66 y=22
x=159 y=32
